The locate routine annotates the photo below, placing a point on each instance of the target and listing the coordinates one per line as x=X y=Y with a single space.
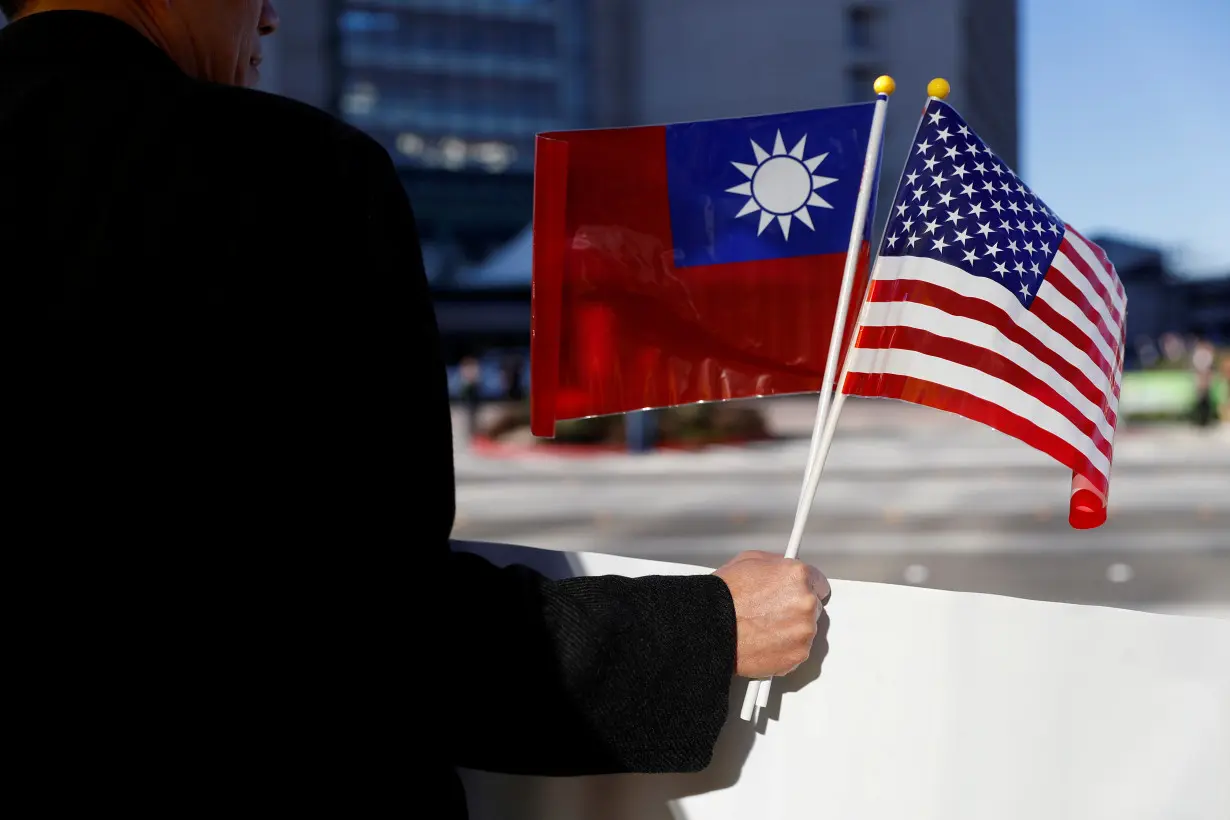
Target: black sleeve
x=529 y=675
x=588 y=675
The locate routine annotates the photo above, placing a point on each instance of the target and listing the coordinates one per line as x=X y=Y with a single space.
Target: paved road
x=908 y=496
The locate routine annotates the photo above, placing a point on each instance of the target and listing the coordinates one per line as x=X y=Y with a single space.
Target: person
x=1224 y=411
x=228 y=414
x=471 y=395
x=512 y=366
x=1204 y=359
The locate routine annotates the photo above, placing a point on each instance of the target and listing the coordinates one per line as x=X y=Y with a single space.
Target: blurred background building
x=456 y=90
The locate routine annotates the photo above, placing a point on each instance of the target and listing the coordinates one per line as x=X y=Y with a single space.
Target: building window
x=860 y=27
x=860 y=83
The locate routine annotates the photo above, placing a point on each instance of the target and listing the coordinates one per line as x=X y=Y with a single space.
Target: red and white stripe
x=932 y=334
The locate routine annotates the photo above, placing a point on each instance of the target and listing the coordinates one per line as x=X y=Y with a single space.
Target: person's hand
x=778 y=602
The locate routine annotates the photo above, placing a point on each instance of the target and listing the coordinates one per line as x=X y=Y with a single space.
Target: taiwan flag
x=691 y=262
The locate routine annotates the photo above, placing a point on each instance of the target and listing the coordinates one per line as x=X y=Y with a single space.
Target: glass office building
x=462 y=85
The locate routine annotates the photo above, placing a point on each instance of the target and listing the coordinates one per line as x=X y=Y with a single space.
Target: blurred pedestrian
x=230 y=431
x=1224 y=411
x=471 y=397
x=1203 y=359
x=512 y=366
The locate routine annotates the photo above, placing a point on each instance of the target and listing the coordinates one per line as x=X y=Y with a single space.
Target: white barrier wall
x=928 y=705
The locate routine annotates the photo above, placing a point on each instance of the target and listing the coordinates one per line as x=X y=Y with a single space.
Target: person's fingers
x=819 y=584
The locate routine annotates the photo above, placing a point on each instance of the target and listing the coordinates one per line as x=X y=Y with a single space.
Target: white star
x=1020 y=226
x=962 y=236
x=936 y=117
x=1036 y=228
x=1004 y=226
x=1029 y=206
x=939 y=244
x=1024 y=290
x=984 y=230
x=963 y=130
x=925 y=209
x=959 y=171
x=1020 y=189
x=937 y=180
x=972 y=148
x=976 y=210
x=1005 y=187
x=1033 y=266
x=901 y=209
x=951 y=152
x=909 y=242
x=892 y=241
x=988 y=186
x=1019 y=267
x=1046 y=247
x=943 y=134
x=999 y=170
x=911 y=177
x=967 y=190
x=931 y=226
x=907 y=223
x=971 y=257
x=954 y=217
x=1029 y=248
x=1001 y=269
x=997 y=206
x=1052 y=229
x=1012 y=246
x=945 y=198
x=1012 y=206
x=785 y=189
x=993 y=250
x=924 y=147
x=930 y=163
x=917 y=192
x=980 y=168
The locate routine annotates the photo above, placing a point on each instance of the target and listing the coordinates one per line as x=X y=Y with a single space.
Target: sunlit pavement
x=908 y=496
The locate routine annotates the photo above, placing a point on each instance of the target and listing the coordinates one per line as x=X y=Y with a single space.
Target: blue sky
x=1125 y=108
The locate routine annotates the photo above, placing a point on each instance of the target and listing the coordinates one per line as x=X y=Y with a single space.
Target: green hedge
x=1164 y=394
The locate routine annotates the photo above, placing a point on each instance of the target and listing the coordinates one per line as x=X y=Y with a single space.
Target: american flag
x=985 y=303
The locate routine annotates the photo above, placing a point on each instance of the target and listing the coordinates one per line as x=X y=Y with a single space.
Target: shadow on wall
x=611 y=797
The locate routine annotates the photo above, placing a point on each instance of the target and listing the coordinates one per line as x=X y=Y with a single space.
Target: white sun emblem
x=781 y=185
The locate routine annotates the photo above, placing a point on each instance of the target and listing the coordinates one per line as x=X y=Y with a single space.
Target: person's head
x=216 y=40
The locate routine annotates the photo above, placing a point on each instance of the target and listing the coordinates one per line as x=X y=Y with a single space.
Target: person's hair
x=12 y=8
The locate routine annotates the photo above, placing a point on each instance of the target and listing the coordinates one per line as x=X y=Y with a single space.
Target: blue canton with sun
x=960 y=204
x=770 y=187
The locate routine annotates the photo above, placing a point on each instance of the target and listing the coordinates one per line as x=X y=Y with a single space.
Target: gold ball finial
x=938 y=88
x=885 y=84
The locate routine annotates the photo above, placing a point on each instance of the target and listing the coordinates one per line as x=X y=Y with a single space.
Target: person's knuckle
x=798 y=573
x=804 y=631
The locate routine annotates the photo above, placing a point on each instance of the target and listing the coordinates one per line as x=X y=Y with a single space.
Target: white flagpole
x=818 y=455
x=884 y=86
